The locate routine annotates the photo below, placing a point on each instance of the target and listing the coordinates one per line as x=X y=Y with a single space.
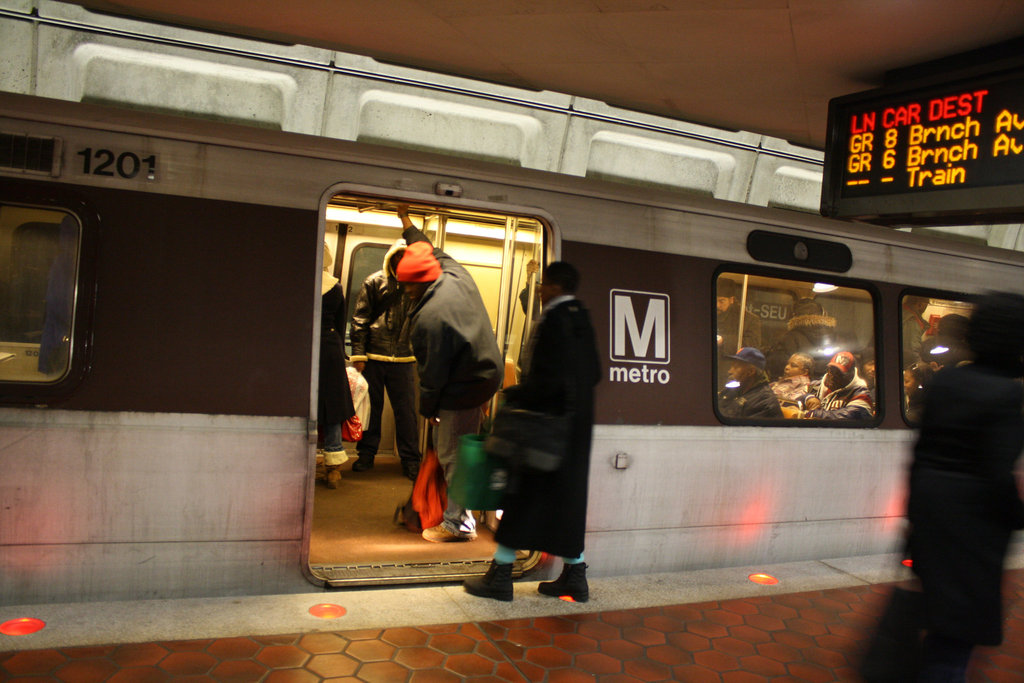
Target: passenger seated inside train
x=841 y=394
x=796 y=380
x=747 y=394
x=807 y=331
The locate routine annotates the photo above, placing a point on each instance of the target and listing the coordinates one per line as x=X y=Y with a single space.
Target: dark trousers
x=945 y=660
x=400 y=381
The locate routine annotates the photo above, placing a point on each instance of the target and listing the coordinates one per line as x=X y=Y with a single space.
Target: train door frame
x=549 y=250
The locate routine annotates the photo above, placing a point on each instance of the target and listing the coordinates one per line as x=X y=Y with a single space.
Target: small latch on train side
x=621 y=461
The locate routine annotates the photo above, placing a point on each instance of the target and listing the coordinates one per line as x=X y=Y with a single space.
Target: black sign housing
x=933 y=153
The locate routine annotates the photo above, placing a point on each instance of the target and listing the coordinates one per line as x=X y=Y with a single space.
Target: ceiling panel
x=766 y=66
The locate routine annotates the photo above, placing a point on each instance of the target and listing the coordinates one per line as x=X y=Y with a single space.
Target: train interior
x=356 y=537
x=39 y=248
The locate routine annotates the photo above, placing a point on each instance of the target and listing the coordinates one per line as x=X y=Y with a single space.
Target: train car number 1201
x=103 y=162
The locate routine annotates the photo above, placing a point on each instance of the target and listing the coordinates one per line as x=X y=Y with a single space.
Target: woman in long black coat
x=547 y=511
x=334 y=397
x=964 y=503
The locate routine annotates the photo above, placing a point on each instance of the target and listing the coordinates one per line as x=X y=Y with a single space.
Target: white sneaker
x=441 y=534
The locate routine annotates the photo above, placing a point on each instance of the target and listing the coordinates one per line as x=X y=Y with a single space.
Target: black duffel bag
x=529 y=438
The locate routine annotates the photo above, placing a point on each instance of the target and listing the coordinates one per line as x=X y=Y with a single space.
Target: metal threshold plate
x=378 y=574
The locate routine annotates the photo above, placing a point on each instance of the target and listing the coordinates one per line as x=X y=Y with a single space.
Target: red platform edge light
x=763 y=579
x=907 y=562
x=23 y=626
x=327 y=610
x=566 y=598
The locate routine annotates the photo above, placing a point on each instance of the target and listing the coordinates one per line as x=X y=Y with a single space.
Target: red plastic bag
x=430 y=493
x=352 y=429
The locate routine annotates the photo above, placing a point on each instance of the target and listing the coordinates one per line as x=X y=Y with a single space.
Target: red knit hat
x=418 y=264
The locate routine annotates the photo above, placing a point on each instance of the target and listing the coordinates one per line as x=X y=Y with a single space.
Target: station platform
x=712 y=625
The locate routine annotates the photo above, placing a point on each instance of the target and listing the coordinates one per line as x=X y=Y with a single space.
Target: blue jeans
x=454 y=424
x=332 y=438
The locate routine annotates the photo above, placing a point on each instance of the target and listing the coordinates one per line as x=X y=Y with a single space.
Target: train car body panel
x=114 y=505
x=702 y=497
x=182 y=463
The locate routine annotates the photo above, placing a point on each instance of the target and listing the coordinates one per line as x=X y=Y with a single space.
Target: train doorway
x=355 y=538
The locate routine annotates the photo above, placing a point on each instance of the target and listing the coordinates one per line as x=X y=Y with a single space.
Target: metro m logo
x=653 y=308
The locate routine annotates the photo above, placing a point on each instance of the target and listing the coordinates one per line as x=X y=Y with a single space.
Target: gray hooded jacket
x=456 y=354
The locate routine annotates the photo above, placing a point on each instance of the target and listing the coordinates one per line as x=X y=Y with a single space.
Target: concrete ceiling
x=766 y=66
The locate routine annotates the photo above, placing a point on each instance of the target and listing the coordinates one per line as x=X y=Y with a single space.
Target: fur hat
x=327 y=279
x=418 y=264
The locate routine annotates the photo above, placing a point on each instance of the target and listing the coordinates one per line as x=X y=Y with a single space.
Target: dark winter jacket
x=964 y=501
x=547 y=511
x=379 y=331
x=750 y=401
x=456 y=354
x=810 y=334
x=334 y=395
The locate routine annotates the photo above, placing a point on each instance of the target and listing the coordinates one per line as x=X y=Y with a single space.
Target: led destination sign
x=942 y=155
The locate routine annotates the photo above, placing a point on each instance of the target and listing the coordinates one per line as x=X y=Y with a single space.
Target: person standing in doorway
x=457 y=358
x=382 y=353
x=547 y=511
x=334 y=397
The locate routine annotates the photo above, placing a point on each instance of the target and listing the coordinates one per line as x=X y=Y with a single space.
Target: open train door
x=355 y=539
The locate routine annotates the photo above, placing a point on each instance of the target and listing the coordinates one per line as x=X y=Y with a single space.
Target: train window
x=933 y=333
x=39 y=255
x=792 y=350
x=366 y=259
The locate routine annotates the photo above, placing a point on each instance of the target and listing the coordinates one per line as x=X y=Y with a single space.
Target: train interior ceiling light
x=470 y=226
x=942 y=145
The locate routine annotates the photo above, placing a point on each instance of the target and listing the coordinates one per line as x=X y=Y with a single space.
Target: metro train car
x=159 y=340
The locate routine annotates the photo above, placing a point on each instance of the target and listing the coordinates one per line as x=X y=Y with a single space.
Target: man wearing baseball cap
x=841 y=394
x=747 y=394
x=457 y=357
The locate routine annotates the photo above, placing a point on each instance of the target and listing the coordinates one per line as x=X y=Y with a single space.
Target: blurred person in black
x=964 y=502
x=949 y=345
x=915 y=380
x=547 y=511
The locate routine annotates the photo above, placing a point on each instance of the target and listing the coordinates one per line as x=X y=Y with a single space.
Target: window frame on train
x=719 y=374
x=937 y=301
x=72 y=271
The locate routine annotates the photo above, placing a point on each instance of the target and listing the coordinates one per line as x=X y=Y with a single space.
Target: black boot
x=496 y=583
x=572 y=582
x=365 y=462
x=410 y=469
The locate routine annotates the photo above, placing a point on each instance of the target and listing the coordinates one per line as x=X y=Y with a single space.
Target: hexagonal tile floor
x=815 y=636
